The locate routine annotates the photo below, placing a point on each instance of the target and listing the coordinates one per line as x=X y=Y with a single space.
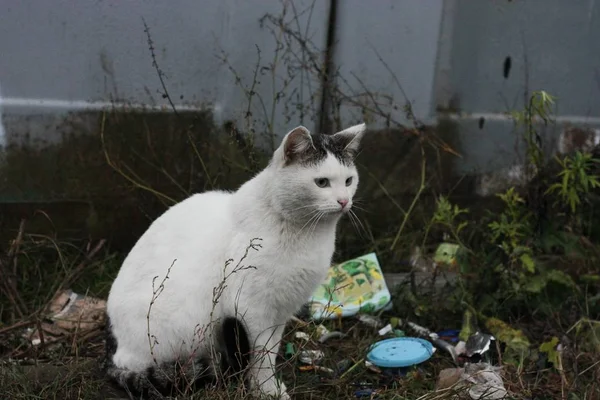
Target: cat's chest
x=282 y=274
x=295 y=259
x=281 y=262
x=282 y=251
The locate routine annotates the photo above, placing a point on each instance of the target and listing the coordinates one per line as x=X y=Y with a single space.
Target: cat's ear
x=296 y=143
x=350 y=138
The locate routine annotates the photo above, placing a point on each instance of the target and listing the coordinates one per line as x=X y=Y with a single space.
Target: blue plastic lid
x=400 y=352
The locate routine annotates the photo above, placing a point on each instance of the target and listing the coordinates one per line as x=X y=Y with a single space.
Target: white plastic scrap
x=486 y=380
x=311 y=356
x=370 y=321
x=331 y=335
x=302 y=336
x=482 y=380
x=385 y=330
x=322 y=330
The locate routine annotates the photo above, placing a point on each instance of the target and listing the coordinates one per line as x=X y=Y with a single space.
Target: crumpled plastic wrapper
x=482 y=380
x=68 y=313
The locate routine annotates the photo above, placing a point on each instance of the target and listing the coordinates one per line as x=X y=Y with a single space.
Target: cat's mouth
x=336 y=211
x=342 y=210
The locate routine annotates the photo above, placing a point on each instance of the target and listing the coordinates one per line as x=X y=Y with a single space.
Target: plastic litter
x=322 y=330
x=302 y=336
x=399 y=333
x=370 y=321
x=69 y=312
x=366 y=393
x=482 y=379
x=400 y=352
x=433 y=337
x=487 y=382
x=361 y=384
x=331 y=335
x=478 y=343
x=351 y=287
x=318 y=368
x=324 y=334
x=449 y=335
x=385 y=330
x=372 y=367
x=311 y=356
x=290 y=350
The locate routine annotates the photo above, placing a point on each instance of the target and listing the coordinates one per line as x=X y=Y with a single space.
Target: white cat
x=289 y=212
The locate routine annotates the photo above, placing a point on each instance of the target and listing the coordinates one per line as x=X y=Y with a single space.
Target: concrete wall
x=62 y=56
x=553 y=46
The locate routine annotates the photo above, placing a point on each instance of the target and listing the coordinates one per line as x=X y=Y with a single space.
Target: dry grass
x=70 y=367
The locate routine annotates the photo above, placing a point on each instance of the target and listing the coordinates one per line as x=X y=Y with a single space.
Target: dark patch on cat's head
x=336 y=145
x=307 y=150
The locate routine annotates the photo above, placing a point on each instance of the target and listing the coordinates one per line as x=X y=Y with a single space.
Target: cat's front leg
x=265 y=342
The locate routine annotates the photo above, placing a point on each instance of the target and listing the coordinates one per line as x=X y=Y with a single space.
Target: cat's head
x=315 y=176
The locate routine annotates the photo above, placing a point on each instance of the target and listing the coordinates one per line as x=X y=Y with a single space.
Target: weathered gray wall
x=65 y=56
x=60 y=55
x=554 y=46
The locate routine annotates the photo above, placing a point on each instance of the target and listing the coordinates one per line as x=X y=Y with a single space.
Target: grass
x=69 y=368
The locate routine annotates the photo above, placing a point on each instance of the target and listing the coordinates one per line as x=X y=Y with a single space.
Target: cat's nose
x=343 y=202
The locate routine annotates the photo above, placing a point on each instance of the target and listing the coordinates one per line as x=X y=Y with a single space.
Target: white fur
x=296 y=221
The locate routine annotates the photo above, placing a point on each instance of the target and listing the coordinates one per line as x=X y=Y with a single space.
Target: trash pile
x=68 y=312
x=356 y=289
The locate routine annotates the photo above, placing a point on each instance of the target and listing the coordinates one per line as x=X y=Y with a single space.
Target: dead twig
x=18 y=325
x=75 y=273
x=9 y=278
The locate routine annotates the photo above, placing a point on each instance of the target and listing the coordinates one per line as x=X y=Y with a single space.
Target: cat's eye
x=322 y=182
x=349 y=181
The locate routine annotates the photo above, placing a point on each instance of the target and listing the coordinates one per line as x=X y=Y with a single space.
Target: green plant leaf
x=513 y=338
x=590 y=278
x=528 y=262
x=561 y=277
x=468 y=326
x=535 y=284
x=549 y=348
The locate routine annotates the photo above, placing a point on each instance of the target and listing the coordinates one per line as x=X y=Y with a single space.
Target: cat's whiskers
x=305 y=206
x=313 y=226
x=316 y=213
x=308 y=213
x=353 y=218
x=359 y=208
